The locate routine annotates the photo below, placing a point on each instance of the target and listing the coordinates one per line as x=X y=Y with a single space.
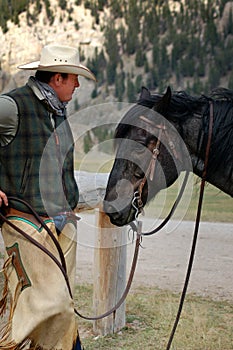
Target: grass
x=217 y=206
x=204 y=325
x=150 y=313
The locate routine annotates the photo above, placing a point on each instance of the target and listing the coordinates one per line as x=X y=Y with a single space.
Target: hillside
x=186 y=44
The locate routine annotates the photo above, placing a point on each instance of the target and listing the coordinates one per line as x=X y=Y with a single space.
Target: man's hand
x=3 y=199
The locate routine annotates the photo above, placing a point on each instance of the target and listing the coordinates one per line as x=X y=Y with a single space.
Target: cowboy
x=38 y=194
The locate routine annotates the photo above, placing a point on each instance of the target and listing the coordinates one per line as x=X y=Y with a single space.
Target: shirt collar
x=32 y=84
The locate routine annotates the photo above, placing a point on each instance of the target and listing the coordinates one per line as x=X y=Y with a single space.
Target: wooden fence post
x=109 y=255
x=109 y=274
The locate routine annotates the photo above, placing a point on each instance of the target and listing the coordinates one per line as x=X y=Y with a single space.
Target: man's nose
x=77 y=83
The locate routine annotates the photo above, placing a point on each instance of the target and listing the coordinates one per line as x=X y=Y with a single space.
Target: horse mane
x=177 y=106
x=183 y=106
x=222 y=94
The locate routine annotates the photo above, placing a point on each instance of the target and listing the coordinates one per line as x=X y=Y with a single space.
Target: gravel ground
x=163 y=258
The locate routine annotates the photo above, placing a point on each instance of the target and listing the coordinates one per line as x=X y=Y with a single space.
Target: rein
x=137 y=197
x=137 y=228
x=62 y=264
x=196 y=229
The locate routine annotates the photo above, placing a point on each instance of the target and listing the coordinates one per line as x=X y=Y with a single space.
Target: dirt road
x=164 y=257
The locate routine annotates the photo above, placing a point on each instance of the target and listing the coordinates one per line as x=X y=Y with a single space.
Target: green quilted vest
x=37 y=165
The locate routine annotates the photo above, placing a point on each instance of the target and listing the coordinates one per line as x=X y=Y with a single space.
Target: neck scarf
x=58 y=107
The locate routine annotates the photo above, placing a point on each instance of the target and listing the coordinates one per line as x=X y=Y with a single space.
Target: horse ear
x=145 y=94
x=162 y=105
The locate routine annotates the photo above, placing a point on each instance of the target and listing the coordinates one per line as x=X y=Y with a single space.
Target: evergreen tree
x=146 y=66
x=62 y=4
x=111 y=72
x=200 y=70
x=155 y=51
x=87 y=142
x=187 y=67
x=87 y=4
x=164 y=63
x=140 y=57
x=120 y=86
x=152 y=79
x=211 y=34
x=222 y=4
x=102 y=4
x=197 y=86
x=228 y=54
x=230 y=81
x=214 y=77
x=138 y=83
x=131 y=91
x=116 y=9
x=151 y=23
x=49 y=12
x=166 y=18
x=98 y=65
x=94 y=93
x=179 y=48
x=122 y=37
x=228 y=29
x=112 y=48
x=133 y=22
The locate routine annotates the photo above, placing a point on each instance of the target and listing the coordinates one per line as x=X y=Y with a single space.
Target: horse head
x=150 y=154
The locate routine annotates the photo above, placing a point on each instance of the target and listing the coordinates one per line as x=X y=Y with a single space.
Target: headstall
x=150 y=172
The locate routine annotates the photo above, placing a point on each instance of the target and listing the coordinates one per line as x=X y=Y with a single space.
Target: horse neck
x=216 y=178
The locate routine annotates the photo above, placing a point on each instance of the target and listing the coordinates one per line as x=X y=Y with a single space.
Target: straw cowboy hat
x=60 y=59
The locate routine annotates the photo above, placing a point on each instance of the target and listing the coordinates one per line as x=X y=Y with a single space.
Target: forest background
x=154 y=43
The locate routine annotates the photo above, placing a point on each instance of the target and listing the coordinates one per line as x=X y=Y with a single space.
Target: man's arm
x=8 y=128
x=8 y=119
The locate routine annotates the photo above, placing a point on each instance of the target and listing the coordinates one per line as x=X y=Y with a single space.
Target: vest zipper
x=58 y=150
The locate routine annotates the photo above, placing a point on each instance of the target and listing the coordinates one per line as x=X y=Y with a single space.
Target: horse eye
x=138 y=174
x=141 y=132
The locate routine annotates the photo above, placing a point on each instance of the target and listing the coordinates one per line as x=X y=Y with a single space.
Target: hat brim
x=70 y=69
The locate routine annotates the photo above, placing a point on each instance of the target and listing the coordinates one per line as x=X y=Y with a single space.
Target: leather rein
x=137 y=228
x=137 y=198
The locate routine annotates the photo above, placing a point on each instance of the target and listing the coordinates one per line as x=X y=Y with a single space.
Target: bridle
x=137 y=203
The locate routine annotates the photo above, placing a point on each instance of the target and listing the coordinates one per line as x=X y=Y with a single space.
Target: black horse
x=163 y=135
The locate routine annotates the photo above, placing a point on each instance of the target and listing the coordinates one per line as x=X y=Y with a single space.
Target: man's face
x=64 y=87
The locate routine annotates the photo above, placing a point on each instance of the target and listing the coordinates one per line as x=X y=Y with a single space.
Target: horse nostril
x=109 y=208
